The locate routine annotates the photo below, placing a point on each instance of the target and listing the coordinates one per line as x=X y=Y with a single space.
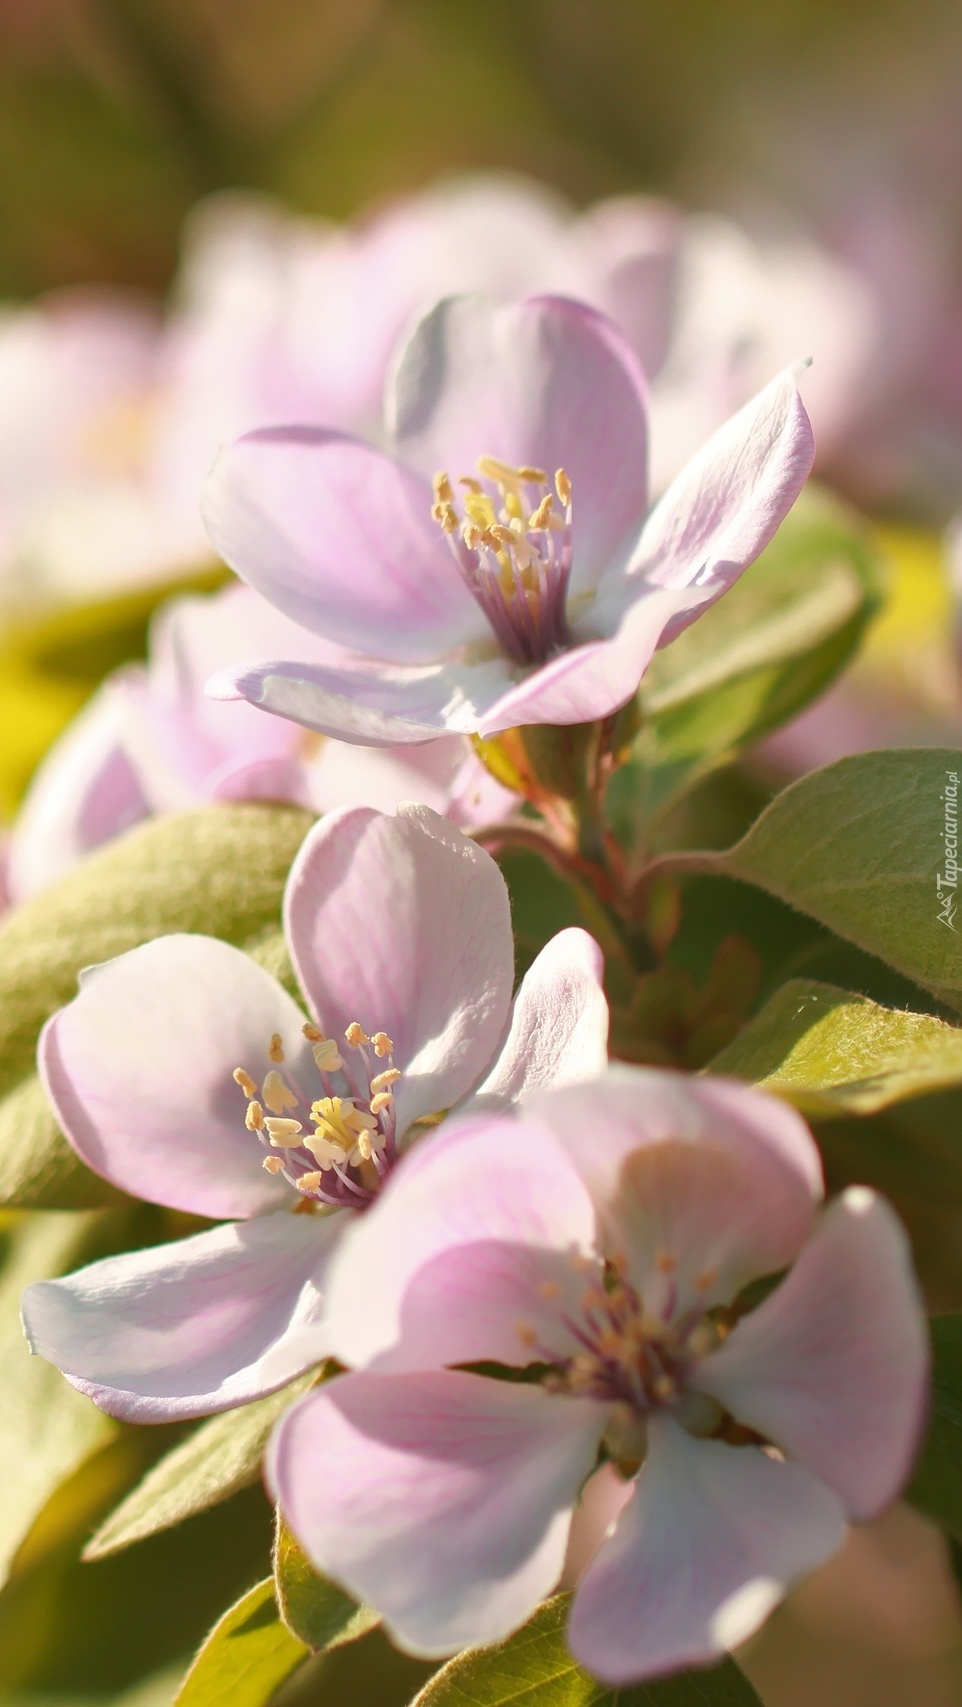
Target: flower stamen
x=513 y=551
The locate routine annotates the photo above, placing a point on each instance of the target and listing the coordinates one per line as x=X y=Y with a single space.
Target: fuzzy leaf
x=315 y=1609
x=936 y=1487
x=535 y=1666
x=221 y=1456
x=219 y=870
x=831 y=1052
x=858 y=846
x=772 y=644
x=47 y=1428
x=246 y=1657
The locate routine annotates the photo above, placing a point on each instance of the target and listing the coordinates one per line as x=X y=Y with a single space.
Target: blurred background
x=115 y=115
x=834 y=122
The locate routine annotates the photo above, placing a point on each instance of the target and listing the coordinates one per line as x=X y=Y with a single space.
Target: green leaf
x=535 y=1667
x=220 y=870
x=315 y=1609
x=858 y=846
x=936 y=1487
x=47 y=1428
x=772 y=644
x=832 y=1053
x=221 y=1456
x=246 y=1656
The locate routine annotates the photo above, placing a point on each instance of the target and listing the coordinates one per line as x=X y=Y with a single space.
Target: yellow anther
x=562 y=486
x=446 y=516
x=469 y=483
x=383 y=1081
x=472 y=536
x=505 y=474
x=382 y=1043
x=272 y=1164
x=245 y=1081
x=283 y=1134
x=276 y=1051
x=538 y=520
x=254 y=1119
x=527 y=1335
x=327 y=1056
x=664 y=1388
x=382 y=1101
x=443 y=490
x=356 y=1035
x=479 y=509
x=549 y=1289
x=308 y=1182
x=311 y=1033
x=513 y=506
x=277 y=1093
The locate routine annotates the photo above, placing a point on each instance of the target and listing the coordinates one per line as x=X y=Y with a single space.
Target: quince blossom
x=602 y=1242
x=185 y=1074
x=504 y=568
x=151 y=741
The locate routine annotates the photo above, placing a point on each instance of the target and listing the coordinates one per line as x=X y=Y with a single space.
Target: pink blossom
x=536 y=593
x=185 y=1074
x=601 y=1241
x=151 y=741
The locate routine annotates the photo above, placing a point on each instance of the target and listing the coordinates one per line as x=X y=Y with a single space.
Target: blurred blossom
x=150 y=741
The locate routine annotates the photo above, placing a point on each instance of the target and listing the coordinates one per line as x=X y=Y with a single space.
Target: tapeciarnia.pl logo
x=947 y=881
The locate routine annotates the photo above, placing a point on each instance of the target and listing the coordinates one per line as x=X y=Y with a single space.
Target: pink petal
x=403 y=924
x=833 y=1367
x=703 y=1184
x=138 y=1069
x=372 y=704
x=723 y=509
x=547 y=382
x=713 y=1538
x=594 y=677
x=441 y=1499
x=200 y=1325
x=559 y=1023
x=467 y=1256
x=341 y=539
x=629 y=253
x=342 y=775
x=85 y=792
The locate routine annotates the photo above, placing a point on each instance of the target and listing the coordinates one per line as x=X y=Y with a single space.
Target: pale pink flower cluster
x=533 y=1268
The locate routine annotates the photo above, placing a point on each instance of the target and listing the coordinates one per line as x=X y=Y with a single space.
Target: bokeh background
x=835 y=119
x=115 y=115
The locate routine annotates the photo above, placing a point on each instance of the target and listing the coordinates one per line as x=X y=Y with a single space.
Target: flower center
x=340 y=1159
x=512 y=546
x=638 y=1359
